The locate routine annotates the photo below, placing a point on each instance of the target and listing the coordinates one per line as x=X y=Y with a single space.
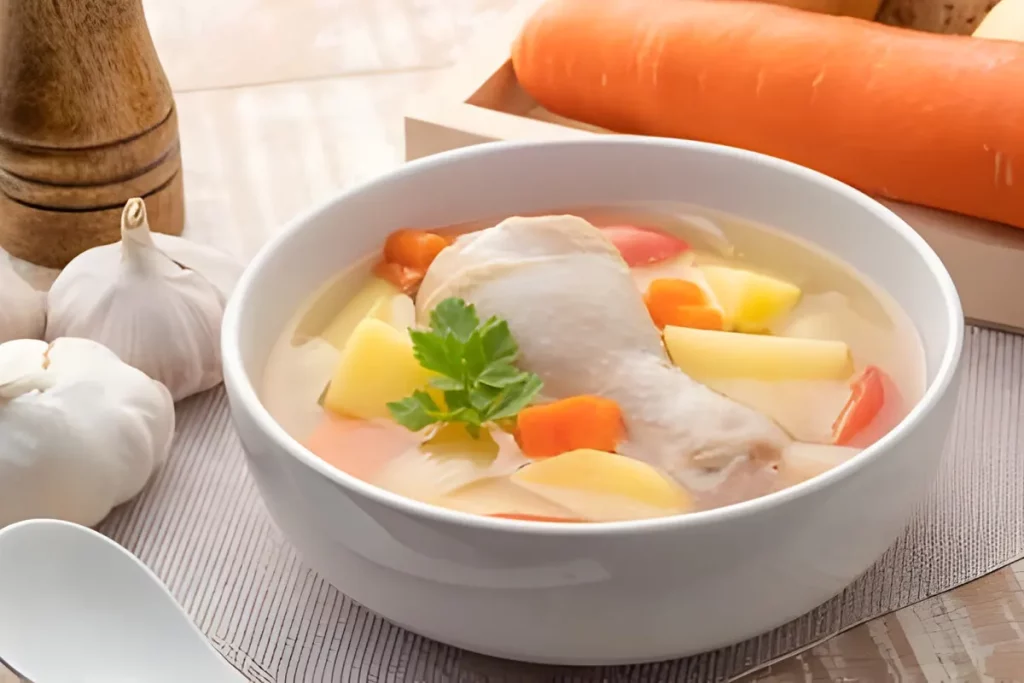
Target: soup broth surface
x=836 y=303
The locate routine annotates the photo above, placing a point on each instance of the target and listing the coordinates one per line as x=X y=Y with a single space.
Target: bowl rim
x=239 y=383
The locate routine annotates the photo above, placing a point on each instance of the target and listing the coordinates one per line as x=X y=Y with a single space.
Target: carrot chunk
x=681 y=303
x=405 y=278
x=699 y=317
x=570 y=424
x=415 y=249
x=867 y=396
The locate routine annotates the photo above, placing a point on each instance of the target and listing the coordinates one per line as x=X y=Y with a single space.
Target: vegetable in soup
x=604 y=364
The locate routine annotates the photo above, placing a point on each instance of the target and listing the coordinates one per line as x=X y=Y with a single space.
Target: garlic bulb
x=22 y=308
x=39 y=277
x=80 y=431
x=150 y=307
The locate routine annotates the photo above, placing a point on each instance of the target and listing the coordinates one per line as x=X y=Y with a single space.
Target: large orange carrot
x=930 y=119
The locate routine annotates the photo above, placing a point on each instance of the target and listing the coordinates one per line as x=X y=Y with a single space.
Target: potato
x=371 y=298
x=705 y=354
x=604 y=486
x=750 y=301
x=376 y=367
x=806 y=409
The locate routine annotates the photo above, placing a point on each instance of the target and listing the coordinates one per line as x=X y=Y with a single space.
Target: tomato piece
x=643 y=246
x=535 y=518
x=867 y=396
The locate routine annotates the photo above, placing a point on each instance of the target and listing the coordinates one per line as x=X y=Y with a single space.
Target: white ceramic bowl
x=609 y=593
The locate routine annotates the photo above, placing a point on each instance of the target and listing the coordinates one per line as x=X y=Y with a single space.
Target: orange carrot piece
x=405 y=278
x=675 y=291
x=536 y=518
x=550 y=429
x=867 y=396
x=699 y=317
x=415 y=249
x=667 y=297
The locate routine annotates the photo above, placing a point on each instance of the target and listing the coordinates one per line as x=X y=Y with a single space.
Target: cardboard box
x=480 y=100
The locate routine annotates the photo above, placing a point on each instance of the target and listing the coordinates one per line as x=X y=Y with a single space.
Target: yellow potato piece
x=705 y=354
x=750 y=301
x=370 y=301
x=376 y=367
x=604 y=486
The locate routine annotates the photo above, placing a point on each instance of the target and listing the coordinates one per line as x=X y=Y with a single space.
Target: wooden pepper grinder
x=87 y=121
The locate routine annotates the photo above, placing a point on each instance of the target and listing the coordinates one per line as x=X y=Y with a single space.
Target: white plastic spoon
x=77 y=607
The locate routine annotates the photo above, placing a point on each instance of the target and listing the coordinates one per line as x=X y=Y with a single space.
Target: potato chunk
x=750 y=301
x=370 y=301
x=704 y=354
x=604 y=486
x=376 y=367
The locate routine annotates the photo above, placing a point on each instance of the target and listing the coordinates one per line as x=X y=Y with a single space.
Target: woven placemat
x=202 y=528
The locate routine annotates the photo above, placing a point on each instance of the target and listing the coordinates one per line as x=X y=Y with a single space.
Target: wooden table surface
x=253 y=77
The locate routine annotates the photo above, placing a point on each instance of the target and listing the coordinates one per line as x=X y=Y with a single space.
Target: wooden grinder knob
x=87 y=121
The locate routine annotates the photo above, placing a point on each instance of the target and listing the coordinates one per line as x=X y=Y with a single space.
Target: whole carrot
x=930 y=119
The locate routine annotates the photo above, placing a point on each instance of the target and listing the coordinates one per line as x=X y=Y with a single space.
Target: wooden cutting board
x=960 y=17
x=1004 y=22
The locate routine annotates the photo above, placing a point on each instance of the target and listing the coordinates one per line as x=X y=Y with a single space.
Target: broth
x=835 y=304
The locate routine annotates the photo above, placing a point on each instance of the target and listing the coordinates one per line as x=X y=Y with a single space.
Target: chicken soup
x=603 y=364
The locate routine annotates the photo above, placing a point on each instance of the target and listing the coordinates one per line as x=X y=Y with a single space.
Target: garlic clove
x=39 y=278
x=134 y=299
x=20 y=357
x=22 y=307
x=221 y=270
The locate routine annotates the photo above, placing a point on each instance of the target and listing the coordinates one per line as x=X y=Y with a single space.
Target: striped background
x=203 y=529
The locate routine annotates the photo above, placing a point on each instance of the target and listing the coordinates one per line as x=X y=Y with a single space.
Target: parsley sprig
x=478 y=377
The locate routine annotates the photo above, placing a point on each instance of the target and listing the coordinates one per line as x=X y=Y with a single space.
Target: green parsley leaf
x=497 y=341
x=456 y=400
x=476 y=367
x=481 y=397
x=415 y=412
x=501 y=374
x=514 y=398
x=446 y=384
x=453 y=316
x=432 y=353
x=474 y=358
